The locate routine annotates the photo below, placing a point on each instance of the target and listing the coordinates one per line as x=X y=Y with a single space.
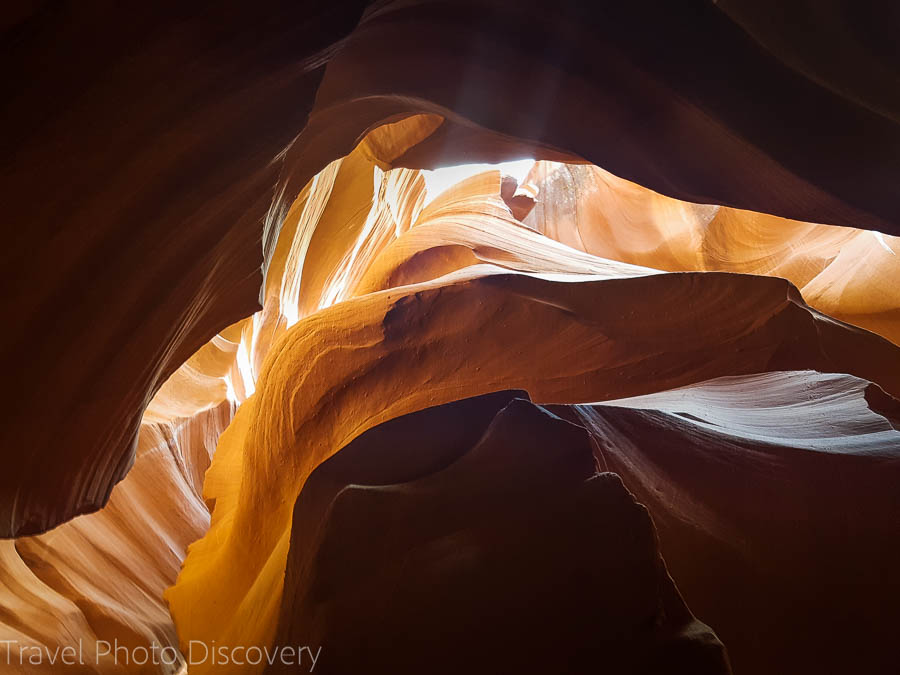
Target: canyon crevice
x=413 y=324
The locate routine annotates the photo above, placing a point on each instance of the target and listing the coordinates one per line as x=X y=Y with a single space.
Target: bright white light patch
x=439 y=180
x=880 y=237
x=245 y=369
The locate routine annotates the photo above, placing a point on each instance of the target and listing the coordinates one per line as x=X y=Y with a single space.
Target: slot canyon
x=430 y=337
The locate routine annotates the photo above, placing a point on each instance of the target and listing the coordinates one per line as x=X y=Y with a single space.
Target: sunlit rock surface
x=351 y=366
x=739 y=371
x=99 y=578
x=589 y=209
x=151 y=148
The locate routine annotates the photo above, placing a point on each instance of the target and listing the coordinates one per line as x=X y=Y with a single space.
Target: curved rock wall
x=164 y=182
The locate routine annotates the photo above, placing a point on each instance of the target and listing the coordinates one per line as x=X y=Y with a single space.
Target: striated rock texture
x=589 y=209
x=426 y=533
x=349 y=367
x=478 y=537
x=776 y=503
x=634 y=88
x=137 y=170
x=700 y=312
x=145 y=161
x=100 y=577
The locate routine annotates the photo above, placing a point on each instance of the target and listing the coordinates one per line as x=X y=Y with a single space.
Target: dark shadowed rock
x=517 y=557
x=775 y=497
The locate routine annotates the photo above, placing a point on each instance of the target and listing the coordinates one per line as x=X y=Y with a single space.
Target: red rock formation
x=613 y=218
x=478 y=537
x=169 y=170
x=133 y=218
x=100 y=578
x=775 y=499
x=363 y=361
x=137 y=170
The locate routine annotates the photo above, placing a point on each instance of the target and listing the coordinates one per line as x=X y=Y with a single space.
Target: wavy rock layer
x=426 y=312
x=145 y=142
x=366 y=360
x=630 y=87
x=150 y=155
x=136 y=180
x=775 y=500
x=774 y=495
x=478 y=537
x=424 y=291
x=589 y=209
x=101 y=577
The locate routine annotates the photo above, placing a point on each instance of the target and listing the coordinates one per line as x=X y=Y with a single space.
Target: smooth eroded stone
x=517 y=556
